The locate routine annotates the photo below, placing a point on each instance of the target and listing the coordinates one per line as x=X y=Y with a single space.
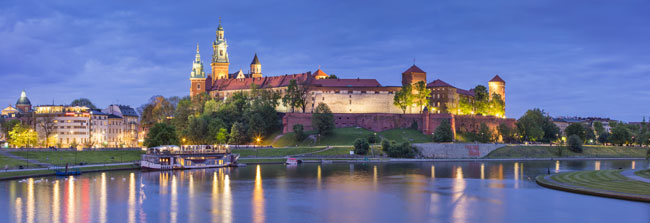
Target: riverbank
x=42 y=172
x=620 y=184
x=589 y=151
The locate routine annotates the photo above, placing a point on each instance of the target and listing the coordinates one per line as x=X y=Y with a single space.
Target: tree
x=465 y=106
x=296 y=96
x=421 y=98
x=161 y=134
x=643 y=139
x=497 y=106
x=22 y=136
x=83 y=102
x=576 y=129
x=551 y=131
x=157 y=110
x=620 y=135
x=530 y=124
x=484 y=134
x=323 y=120
x=8 y=125
x=237 y=135
x=47 y=126
x=372 y=138
x=198 y=131
x=598 y=127
x=298 y=131
x=575 y=143
x=481 y=100
x=332 y=76
x=507 y=133
x=603 y=138
x=443 y=132
x=222 y=136
x=210 y=106
x=403 y=98
x=361 y=146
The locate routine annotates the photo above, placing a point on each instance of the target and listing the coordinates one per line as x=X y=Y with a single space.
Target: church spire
x=197 y=66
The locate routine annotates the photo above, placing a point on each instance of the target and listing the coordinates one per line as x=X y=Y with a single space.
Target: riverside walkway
x=620 y=184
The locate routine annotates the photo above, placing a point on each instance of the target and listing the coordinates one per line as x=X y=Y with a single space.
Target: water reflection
x=487 y=191
x=597 y=165
x=70 y=207
x=557 y=166
x=258 y=197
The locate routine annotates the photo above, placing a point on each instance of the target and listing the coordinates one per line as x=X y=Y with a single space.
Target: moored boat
x=171 y=157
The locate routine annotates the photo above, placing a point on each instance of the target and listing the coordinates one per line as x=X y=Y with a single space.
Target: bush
x=299 y=132
x=443 y=132
x=575 y=143
x=361 y=146
x=323 y=120
x=414 y=125
x=647 y=154
x=372 y=138
x=405 y=150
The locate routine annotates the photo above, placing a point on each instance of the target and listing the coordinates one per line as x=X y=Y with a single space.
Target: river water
x=487 y=191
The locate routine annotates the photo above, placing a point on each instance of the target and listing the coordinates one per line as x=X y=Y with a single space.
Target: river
x=482 y=191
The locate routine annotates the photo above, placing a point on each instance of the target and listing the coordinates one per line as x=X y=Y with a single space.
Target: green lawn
x=11 y=163
x=596 y=181
x=60 y=158
x=552 y=152
x=39 y=172
x=276 y=152
x=405 y=135
x=643 y=173
x=339 y=137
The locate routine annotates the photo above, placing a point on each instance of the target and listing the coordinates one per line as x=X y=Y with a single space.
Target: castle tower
x=197 y=76
x=256 y=67
x=413 y=75
x=220 y=60
x=23 y=104
x=497 y=85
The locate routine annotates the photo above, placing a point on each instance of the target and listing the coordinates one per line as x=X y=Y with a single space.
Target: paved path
x=325 y=149
x=31 y=161
x=630 y=174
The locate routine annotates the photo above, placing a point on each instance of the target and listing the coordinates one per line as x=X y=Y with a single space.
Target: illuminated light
x=516 y=175
x=459 y=173
x=258 y=198
x=482 y=171
x=71 y=200
x=55 y=202
x=557 y=166
x=30 y=200
x=633 y=164
x=374 y=175
x=227 y=201
x=174 y=201
x=102 y=199
x=597 y=165
x=19 y=210
x=433 y=171
x=318 y=177
x=132 y=197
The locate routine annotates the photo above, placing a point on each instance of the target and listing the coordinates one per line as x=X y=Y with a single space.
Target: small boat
x=292 y=161
x=67 y=172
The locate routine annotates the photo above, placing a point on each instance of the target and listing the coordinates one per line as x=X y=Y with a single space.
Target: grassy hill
x=405 y=135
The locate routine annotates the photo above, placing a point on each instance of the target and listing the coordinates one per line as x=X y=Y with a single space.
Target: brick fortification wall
x=472 y=123
x=427 y=123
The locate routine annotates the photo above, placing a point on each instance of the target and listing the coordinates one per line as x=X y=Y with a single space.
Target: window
x=198 y=86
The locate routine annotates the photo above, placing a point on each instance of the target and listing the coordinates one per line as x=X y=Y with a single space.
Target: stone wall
x=455 y=150
x=427 y=123
x=356 y=102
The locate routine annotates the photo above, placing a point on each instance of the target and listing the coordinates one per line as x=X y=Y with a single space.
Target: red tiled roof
x=320 y=73
x=465 y=92
x=497 y=79
x=415 y=69
x=439 y=83
x=346 y=83
x=261 y=82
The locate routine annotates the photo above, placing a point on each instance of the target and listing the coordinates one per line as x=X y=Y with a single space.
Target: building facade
x=341 y=95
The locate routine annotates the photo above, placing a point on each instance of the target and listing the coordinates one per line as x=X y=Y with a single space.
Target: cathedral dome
x=23 y=100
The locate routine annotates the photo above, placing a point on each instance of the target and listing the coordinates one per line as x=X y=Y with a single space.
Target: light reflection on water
x=402 y=192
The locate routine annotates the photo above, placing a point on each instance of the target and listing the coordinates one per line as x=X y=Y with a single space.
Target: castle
x=341 y=95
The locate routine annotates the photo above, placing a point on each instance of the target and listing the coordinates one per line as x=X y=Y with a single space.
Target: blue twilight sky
x=586 y=58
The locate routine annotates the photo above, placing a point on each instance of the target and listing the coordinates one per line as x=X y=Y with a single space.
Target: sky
x=569 y=58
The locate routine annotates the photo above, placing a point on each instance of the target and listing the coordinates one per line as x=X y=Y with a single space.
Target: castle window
x=198 y=86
